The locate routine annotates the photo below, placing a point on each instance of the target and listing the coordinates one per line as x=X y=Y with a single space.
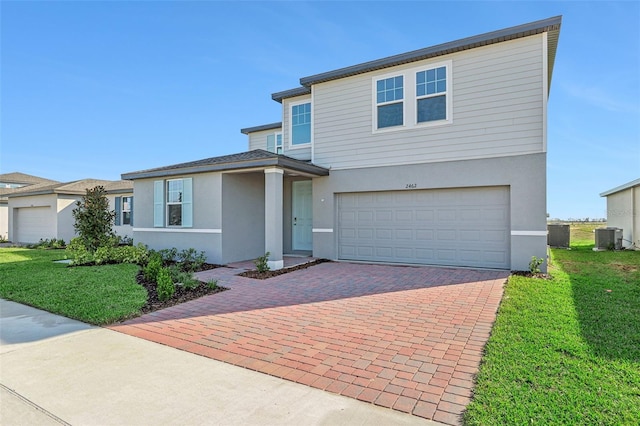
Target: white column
x=273 y=217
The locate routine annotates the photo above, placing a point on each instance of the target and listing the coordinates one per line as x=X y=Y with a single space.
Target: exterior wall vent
x=558 y=236
x=608 y=239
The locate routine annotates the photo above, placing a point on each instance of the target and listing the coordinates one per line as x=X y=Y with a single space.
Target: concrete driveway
x=405 y=338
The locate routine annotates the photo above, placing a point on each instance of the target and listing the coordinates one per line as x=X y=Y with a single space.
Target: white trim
x=290 y=144
x=410 y=98
x=186 y=230
x=529 y=233
x=273 y=170
x=321 y=230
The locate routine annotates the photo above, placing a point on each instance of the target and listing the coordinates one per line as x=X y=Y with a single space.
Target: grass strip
x=566 y=350
x=96 y=294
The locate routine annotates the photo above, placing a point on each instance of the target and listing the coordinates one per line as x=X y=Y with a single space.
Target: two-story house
x=435 y=156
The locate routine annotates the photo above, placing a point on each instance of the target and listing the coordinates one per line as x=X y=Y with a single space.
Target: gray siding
x=258 y=140
x=498 y=97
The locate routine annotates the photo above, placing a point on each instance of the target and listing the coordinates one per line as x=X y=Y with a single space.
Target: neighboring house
x=623 y=211
x=44 y=211
x=436 y=156
x=10 y=182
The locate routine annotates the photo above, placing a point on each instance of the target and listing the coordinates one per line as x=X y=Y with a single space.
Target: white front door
x=302 y=215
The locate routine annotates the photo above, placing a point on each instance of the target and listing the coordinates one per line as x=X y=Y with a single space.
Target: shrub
x=168 y=255
x=190 y=260
x=165 y=287
x=534 y=265
x=93 y=219
x=261 y=263
x=153 y=267
x=212 y=284
x=53 y=243
x=78 y=253
x=184 y=278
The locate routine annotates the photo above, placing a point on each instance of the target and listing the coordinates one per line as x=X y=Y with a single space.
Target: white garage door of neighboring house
x=33 y=223
x=456 y=227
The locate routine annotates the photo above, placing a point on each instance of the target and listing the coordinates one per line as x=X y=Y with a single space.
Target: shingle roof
x=77 y=187
x=549 y=25
x=17 y=177
x=257 y=158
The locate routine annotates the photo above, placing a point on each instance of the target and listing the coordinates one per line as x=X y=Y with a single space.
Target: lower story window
x=126 y=210
x=173 y=205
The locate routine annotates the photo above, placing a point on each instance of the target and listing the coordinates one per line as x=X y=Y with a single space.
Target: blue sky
x=96 y=89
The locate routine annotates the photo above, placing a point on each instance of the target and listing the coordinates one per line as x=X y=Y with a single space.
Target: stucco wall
x=243 y=220
x=206 y=232
x=525 y=176
x=4 y=220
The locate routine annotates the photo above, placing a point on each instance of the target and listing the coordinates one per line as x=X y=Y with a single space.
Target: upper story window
x=389 y=100
x=274 y=143
x=173 y=203
x=301 y=123
x=416 y=97
x=431 y=94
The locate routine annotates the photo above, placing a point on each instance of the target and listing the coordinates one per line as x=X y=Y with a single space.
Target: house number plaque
x=411 y=186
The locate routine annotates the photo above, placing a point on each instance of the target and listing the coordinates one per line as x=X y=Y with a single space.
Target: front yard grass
x=565 y=350
x=95 y=294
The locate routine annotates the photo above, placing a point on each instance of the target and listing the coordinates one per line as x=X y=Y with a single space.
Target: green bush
x=53 y=243
x=165 y=287
x=168 y=255
x=153 y=267
x=78 y=252
x=190 y=260
x=534 y=265
x=93 y=219
x=261 y=263
x=212 y=284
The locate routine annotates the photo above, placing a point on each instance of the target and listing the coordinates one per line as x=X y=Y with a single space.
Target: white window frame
x=173 y=203
x=410 y=98
x=123 y=210
x=374 y=91
x=275 y=142
x=447 y=93
x=290 y=144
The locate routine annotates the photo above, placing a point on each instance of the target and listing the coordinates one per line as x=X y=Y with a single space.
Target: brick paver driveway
x=407 y=338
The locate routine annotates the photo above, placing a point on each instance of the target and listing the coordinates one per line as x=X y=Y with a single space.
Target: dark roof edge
x=279 y=161
x=270 y=126
x=505 y=34
x=298 y=91
x=48 y=191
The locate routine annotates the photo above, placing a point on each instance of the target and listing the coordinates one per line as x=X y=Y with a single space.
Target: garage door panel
x=33 y=224
x=459 y=227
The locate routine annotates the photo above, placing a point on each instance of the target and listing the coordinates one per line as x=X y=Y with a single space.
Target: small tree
x=93 y=219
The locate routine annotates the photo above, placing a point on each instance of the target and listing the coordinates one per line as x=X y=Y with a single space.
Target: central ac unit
x=608 y=239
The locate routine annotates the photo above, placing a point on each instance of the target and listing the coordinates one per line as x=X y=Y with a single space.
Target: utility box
x=608 y=239
x=558 y=236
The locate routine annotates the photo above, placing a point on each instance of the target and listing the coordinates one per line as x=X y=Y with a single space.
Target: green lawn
x=566 y=350
x=95 y=294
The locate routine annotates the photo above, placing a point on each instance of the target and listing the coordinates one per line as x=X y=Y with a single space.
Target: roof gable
x=627 y=185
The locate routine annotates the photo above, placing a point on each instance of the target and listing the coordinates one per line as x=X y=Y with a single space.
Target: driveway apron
x=406 y=338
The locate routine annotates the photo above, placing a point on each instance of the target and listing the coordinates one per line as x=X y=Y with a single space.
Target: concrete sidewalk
x=58 y=371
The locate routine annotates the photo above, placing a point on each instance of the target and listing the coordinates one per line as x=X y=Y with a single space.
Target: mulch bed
x=181 y=295
x=527 y=274
x=270 y=274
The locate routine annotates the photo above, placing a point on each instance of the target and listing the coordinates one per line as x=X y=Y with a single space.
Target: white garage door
x=457 y=227
x=33 y=223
